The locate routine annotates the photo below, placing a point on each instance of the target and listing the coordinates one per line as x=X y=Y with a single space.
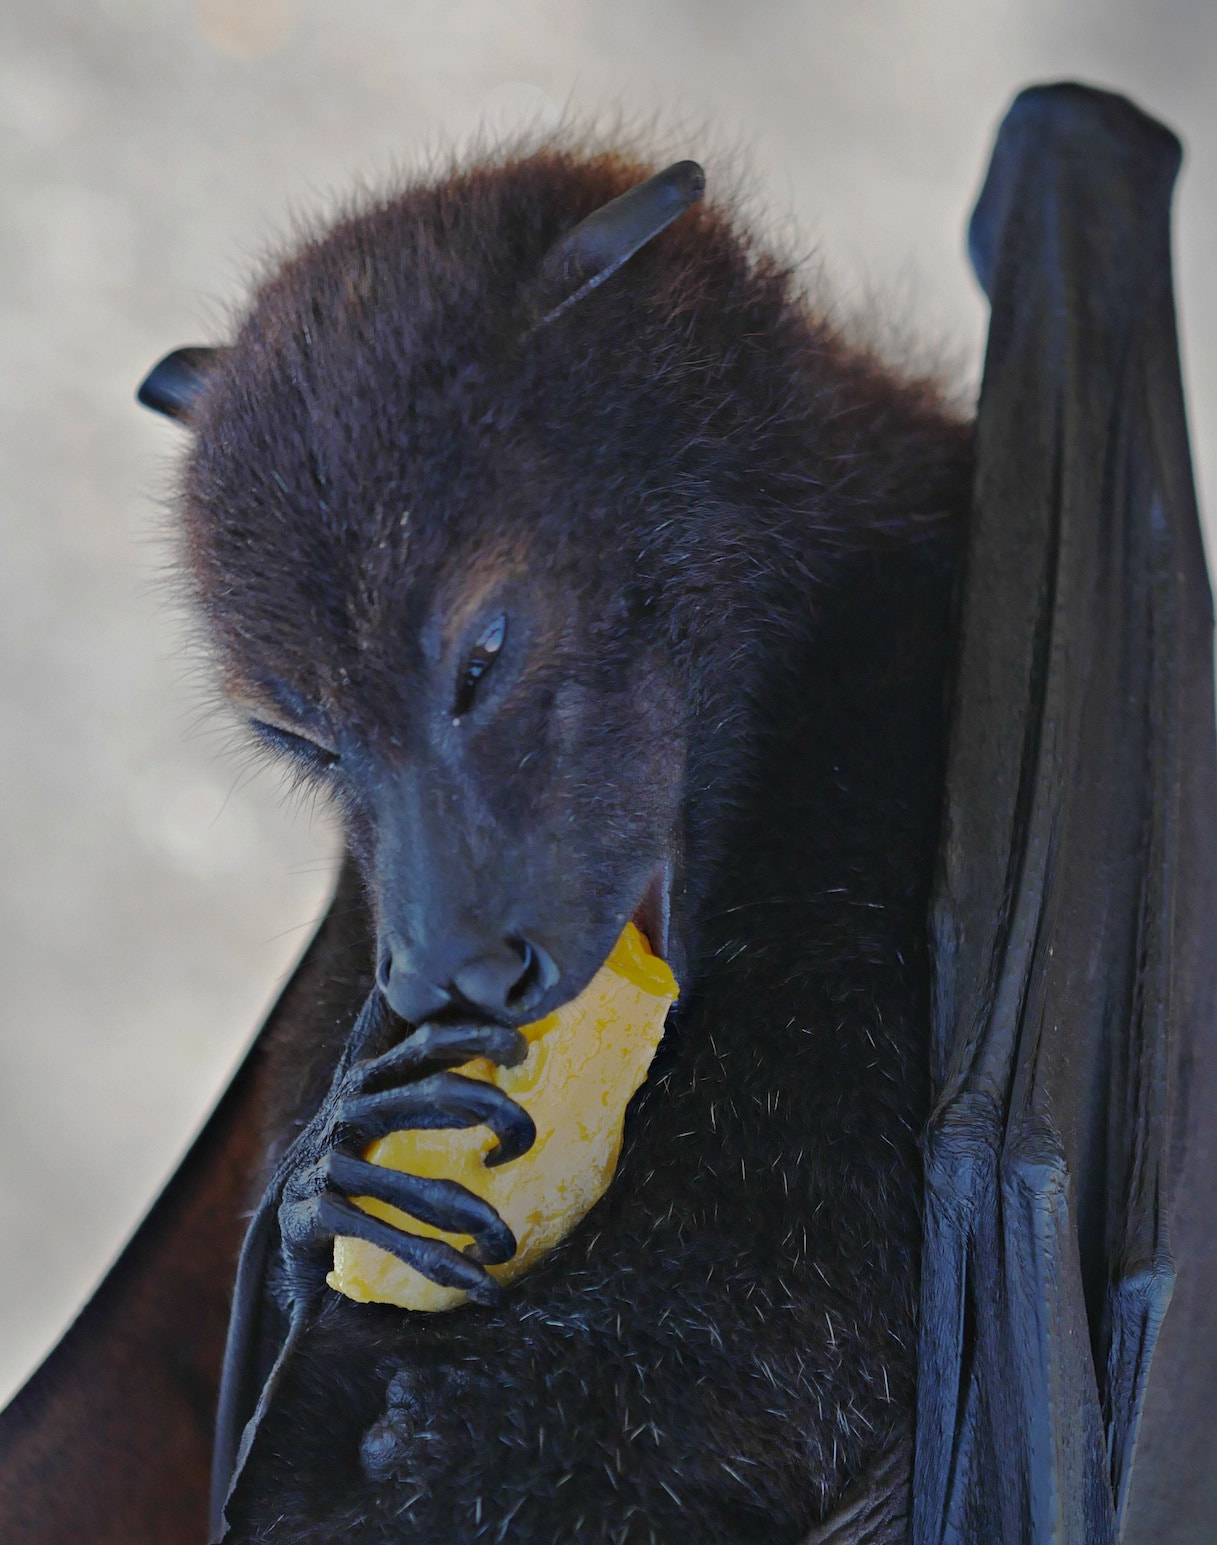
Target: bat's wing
x=110 y=1441
x=1069 y=1159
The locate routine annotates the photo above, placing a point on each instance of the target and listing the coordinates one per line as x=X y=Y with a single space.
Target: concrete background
x=154 y=894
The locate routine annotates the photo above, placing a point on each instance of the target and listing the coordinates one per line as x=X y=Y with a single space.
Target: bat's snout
x=505 y=982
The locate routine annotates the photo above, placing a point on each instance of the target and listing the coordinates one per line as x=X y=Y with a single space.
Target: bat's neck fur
x=727 y=1342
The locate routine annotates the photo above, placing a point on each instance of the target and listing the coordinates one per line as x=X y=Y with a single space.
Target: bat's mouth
x=653 y=914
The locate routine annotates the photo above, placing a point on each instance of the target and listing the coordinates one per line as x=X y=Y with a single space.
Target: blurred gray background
x=154 y=893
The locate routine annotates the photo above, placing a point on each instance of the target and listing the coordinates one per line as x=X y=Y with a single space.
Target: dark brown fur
x=727 y=543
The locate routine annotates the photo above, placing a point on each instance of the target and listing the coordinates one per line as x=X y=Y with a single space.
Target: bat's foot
x=316 y=1206
x=389 y=1449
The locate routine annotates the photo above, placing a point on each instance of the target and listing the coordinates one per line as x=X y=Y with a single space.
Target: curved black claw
x=435 y=1046
x=433 y=1258
x=443 y=1203
x=441 y=1101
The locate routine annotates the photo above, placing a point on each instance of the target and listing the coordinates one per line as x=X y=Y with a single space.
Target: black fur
x=726 y=546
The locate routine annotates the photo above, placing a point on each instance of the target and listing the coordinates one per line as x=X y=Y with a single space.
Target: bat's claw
x=440 y=1101
x=434 y=1046
x=308 y=1227
x=432 y=1258
x=444 y=1204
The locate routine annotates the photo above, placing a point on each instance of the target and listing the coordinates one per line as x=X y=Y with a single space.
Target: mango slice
x=584 y=1062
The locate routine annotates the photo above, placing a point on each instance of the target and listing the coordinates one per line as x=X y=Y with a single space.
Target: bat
x=793 y=520
x=472 y=595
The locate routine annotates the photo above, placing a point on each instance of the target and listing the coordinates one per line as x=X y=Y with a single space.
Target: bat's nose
x=503 y=983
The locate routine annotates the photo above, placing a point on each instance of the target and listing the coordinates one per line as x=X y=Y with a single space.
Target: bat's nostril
x=413 y=998
x=523 y=988
x=537 y=976
x=409 y=988
x=511 y=979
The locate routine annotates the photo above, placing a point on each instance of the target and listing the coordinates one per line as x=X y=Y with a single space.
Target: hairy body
x=727 y=1342
x=723 y=544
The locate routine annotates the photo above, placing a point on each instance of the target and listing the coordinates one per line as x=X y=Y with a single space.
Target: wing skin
x=263 y=1337
x=110 y=1441
x=1073 y=997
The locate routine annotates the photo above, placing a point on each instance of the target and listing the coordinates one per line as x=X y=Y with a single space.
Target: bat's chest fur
x=727 y=1341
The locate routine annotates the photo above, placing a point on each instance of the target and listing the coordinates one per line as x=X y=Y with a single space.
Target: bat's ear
x=598 y=246
x=173 y=387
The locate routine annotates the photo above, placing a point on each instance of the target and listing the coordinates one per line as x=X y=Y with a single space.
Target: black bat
x=504 y=508
x=1076 y=861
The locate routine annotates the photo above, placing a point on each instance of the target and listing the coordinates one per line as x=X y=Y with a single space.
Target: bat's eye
x=479 y=660
x=287 y=743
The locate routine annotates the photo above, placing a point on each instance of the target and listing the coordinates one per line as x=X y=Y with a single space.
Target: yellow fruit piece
x=584 y=1062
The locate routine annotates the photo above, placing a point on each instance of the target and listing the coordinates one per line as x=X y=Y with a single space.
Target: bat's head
x=485 y=513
